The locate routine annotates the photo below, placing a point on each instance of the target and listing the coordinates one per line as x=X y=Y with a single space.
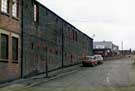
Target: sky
x=109 y=20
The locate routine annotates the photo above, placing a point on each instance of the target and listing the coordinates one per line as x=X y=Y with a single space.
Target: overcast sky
x=112 y=20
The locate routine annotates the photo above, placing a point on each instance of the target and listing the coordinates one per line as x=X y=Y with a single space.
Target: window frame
x=35 y=12
x=17 y=45
x=15 y=9
x=6 y=7
x=10 y=57
x=75 y=36
x=4 y=59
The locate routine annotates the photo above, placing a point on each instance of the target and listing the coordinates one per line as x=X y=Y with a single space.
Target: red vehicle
x=89 y=61
x=103 y=52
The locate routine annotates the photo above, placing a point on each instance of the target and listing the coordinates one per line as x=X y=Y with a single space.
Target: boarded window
x=5 y=6
x=4 y=46
x=14 y=49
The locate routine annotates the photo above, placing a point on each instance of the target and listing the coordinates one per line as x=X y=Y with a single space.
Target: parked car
x=89 y=61
x=99 y=59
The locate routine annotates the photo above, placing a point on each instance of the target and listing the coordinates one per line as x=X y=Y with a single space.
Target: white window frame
x=10 y=35
x=35 y=12
x=15 y=8
x=5 y=6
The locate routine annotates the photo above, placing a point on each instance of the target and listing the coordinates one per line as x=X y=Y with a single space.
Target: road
x=112 y=74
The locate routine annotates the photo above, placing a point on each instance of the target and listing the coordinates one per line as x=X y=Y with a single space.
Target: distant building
x=103 y=45
x=115 y=48
x=106 y=45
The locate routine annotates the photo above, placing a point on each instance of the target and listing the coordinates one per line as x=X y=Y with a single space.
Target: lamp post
x=122 y=47
x=93 y=36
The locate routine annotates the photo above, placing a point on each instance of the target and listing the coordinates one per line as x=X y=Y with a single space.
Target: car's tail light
x=86 y=58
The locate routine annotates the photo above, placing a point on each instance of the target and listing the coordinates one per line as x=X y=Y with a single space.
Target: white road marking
x=108 y=81
x=112 y=89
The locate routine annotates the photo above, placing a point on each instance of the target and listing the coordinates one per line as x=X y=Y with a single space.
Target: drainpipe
x=21 y=39
x=62 y=46
x=46 y=65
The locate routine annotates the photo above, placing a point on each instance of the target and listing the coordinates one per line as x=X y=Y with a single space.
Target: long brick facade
x=37 y=40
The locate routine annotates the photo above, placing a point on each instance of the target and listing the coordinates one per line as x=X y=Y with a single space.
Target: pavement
x=113 y=75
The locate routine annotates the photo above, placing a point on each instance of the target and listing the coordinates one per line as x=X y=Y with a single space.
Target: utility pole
x=93 y=36
x=122 y=46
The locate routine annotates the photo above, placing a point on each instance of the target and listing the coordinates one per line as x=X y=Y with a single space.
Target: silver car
x=99 y=59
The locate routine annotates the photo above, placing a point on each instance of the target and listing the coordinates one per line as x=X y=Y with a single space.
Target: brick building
x=10 y=30
x=35 y=40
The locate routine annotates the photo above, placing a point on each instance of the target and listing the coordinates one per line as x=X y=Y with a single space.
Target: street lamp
x=93 y=36
x=122 y=47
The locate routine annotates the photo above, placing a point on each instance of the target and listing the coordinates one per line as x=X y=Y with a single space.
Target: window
x=4 y=46
x=71 y=35
x=15 y=8
x=32 y=46
x=14 y=49
x=75 y=35
x=5 y=6
x=56 y=19
x=35 y=13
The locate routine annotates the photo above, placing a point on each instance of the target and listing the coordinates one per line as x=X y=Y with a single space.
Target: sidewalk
x=39 y=79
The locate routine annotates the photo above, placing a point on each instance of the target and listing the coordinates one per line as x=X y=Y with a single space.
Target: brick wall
x=48 y=31
x=11 y=27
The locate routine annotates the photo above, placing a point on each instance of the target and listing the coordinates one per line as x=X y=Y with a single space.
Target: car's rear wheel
x=92 y=64
x=101 y=62
x=85 y=65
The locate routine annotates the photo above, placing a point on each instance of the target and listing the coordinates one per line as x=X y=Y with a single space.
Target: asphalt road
x=112 y=74
x=115 y=73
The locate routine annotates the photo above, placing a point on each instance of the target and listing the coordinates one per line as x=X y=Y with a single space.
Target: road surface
x=112 y=74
